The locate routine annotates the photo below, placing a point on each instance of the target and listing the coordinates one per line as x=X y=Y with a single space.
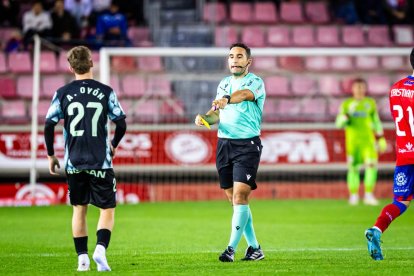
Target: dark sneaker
x=253 y=254
x=227 y=255
x=374 y=243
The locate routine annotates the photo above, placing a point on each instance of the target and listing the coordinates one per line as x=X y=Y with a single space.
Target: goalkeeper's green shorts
x=362 y=153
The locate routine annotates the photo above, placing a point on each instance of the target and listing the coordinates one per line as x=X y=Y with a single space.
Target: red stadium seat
x=159 y=86
x=314 y=108
x=269 y=110
x=317 y=63
x=8 y=88
x=403 y=35
x=379 y=36
x=214 y=12
x=20 y=62
x=278 y=36
x=253 y=36
x=3 y=63
x=353 y=36
x=378 y=85
x=317 y=12
x=48 y=62
x=342 y=63
x=303 y=36
x=333 y=106
x=128 y=108
x=63 y=65
x=150 y=64
x=25 y=87
x=303 y=85
x=148 y=111
x=277 y=86
x=13 y=111
x=123 y=64
x=133 y=86
x=394 y=63
x=327 y=36
x=139 y=35
x=224 y=36
x=115 y=85
x=287 y=108
x=366 y=62
x=51 y=83
x=264 y=12
x=267 y=64
x=291 y=12
x=329 y=85
x=241 y=12
x=42 y=108
x=291 y=63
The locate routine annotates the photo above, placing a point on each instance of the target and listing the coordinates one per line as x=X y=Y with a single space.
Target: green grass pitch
x=320 y=237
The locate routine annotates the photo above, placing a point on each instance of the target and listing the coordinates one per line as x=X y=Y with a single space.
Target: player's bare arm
x=53 y=163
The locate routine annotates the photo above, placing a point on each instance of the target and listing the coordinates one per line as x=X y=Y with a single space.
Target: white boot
x=83 y=262
x=369 y=199
x=353 y=199
x=100 y=258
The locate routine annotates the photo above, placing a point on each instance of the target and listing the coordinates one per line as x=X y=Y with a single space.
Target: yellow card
x=205 y=123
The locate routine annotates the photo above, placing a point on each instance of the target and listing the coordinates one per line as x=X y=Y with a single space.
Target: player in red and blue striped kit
x=401 y=98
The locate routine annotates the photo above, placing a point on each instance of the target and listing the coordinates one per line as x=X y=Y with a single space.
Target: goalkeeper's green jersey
x=360 y=120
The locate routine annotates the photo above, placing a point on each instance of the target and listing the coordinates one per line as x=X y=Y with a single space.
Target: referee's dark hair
x=242 y=45
x=412 y=58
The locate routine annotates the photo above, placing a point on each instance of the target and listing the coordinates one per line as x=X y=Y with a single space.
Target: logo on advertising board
x=188 y=148
x=295 y=147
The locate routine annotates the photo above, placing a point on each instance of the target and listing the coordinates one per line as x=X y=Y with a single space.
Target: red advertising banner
x=193 y=147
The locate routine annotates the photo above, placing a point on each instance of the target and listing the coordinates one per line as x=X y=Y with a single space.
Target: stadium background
x=163 y=156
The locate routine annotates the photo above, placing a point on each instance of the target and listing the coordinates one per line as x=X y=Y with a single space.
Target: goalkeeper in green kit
x=364 y=138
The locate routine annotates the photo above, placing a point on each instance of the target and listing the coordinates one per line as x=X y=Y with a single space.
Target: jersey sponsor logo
x=408 y=148
x=96 y=173
x=188 y=148
x=401 y=179
x=248 y=176
x=296 y=147
x=402 y=92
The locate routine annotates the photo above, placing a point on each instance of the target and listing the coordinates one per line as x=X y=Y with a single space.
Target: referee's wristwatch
x=227 y=97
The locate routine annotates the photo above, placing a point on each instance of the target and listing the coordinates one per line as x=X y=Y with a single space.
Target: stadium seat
x=379 y=36
x=278 y=36
x=269 y=110
x=20 y=62
x=317 y=12
x=287 y=109
x=342 y=63
x=159 y=86
x=291 y=63
x=346 y=85
x=214 y=12
x=115 y=85
x=333 y=106
x=48 y=62
x=313 y=108
x=241 y=12
x=253 y=36
x=329 y=85
x=50 y=84
x=133 y=86
x=277 y=86
x=291 y=12
x=378 y=85
x=147 y=111
x=63 y=65
x=224 y=36
x=303 y=36
x=128 y=108
x=264 y=12
x=396 y=63
x=317 y=63
x=139 y=35
x=13 y=111
x=191 y=36
x=42 y=108
x=327 y=36
x=366 y=62
x=95 y=60
x=123 y=64
x=353 y=36
x=303 y=85
x=3 y=63
x=266 y=64
x=150 y=64
x=8 y=87
x=25 y=87
x=403 y=35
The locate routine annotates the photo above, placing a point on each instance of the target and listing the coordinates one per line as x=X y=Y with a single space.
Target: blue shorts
x=403 y=183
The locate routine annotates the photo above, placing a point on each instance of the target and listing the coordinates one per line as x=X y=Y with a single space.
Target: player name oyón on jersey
x=88 y=90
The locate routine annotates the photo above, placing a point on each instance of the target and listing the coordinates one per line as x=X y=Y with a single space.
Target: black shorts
x=97 y=187
x=237 y=160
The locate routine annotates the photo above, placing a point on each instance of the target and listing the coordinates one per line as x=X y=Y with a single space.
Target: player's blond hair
x=80 y=59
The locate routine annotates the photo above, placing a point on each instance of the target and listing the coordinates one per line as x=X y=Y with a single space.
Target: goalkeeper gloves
x=382 y=144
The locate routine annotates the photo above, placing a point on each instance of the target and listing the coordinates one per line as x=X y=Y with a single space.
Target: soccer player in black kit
x=85 y=106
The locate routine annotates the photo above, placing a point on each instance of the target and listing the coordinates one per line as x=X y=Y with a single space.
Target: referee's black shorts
x=97 y=187
x=237 y=160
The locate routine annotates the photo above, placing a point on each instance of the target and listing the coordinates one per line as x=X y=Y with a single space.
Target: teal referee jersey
x=241 y=120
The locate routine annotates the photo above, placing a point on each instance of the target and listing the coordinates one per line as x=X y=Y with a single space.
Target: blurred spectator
x=9 y=13
x=111 y=28
x=100 y=6
x=370 y=12
x=344 y=11
x=398 y=11
x=36 y=21
x=134 y=11
x=15 y=43
x=80 y=9
x=64 y=27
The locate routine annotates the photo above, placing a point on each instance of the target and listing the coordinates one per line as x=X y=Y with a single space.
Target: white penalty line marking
x=276 y=250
